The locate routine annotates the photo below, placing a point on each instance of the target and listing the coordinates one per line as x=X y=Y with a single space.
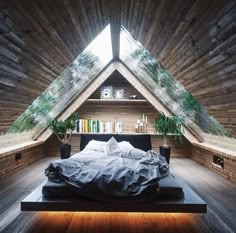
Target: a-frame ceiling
x=195 y=40
x=133 y=80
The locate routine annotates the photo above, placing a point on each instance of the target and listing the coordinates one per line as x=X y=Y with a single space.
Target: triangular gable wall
x=105 y=74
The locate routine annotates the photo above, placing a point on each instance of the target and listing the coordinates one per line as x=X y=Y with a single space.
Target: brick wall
x=10 y=164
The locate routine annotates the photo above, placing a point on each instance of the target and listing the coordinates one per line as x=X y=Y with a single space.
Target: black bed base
x=191 y=203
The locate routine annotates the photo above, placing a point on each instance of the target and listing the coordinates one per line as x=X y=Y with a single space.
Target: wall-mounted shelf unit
x=129 y=111
x=117 y=101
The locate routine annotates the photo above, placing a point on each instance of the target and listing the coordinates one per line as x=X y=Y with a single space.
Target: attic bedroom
x=117 y=116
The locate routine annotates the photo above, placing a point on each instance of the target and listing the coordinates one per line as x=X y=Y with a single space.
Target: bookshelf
x=129 y=111
x=124 y=110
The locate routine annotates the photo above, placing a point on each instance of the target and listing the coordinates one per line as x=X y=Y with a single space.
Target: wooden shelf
x=126 y=133
x=117 y=101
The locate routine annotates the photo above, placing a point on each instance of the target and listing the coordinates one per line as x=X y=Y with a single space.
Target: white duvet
x=100 y=175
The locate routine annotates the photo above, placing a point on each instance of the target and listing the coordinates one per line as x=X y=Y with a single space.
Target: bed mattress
x=169 y=188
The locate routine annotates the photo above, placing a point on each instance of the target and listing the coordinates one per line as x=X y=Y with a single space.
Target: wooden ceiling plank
x=155 y=15
x=192 y=22
x=46 y=18
x=7 y=82
x=14 y=48
x=141 y=27
x=174 y=19
x=88 y=26
x=16 y=15
x=74 y=18
x=197 y=33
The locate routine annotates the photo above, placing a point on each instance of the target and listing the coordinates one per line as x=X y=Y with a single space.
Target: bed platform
x=51 y=196
x=191 y=203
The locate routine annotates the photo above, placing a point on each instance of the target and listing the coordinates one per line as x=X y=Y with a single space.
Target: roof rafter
x=115 y=28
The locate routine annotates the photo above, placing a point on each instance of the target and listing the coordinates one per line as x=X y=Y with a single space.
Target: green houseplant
x=63 y=130
x=165 y=125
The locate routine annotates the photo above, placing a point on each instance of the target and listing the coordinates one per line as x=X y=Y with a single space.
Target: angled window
x=91 y=62
x=66 y=87
x=171 y=92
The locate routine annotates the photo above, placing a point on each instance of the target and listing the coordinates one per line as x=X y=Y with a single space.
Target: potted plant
x=168 y=125
x=63 y=130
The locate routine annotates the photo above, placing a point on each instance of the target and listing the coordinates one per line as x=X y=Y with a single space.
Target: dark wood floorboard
x=219 y=193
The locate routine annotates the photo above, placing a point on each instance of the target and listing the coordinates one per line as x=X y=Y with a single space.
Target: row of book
x=97 y=126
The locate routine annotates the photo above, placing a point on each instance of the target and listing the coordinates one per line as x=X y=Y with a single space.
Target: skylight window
x=91 y=62
x=171 y=92
x=67 y=86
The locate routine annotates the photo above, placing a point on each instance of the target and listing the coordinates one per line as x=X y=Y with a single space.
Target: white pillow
x=134 y=154
x=95 y=145
x=125 y=146
x=112 y=148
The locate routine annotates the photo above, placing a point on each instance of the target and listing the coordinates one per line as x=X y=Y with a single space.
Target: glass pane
x=171 y=92
x=67 y=86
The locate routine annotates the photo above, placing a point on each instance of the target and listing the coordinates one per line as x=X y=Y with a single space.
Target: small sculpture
x=133 y=97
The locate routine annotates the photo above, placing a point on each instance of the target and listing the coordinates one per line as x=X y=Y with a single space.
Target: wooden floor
x=220 y=195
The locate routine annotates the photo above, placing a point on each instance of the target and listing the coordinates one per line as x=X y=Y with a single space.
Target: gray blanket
x=102 y=177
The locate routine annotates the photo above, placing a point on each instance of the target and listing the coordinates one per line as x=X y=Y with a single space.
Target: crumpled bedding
x=101 y=177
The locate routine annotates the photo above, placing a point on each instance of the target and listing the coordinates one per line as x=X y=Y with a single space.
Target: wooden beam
x=115 y=28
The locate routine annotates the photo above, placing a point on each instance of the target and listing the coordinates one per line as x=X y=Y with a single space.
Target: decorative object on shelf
x=141 y=126
x=119 y=94
x=118 y=126
x=106 y=92
x=168 y=125
x=133 y=97
x=63 y=130
x=218 y=161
